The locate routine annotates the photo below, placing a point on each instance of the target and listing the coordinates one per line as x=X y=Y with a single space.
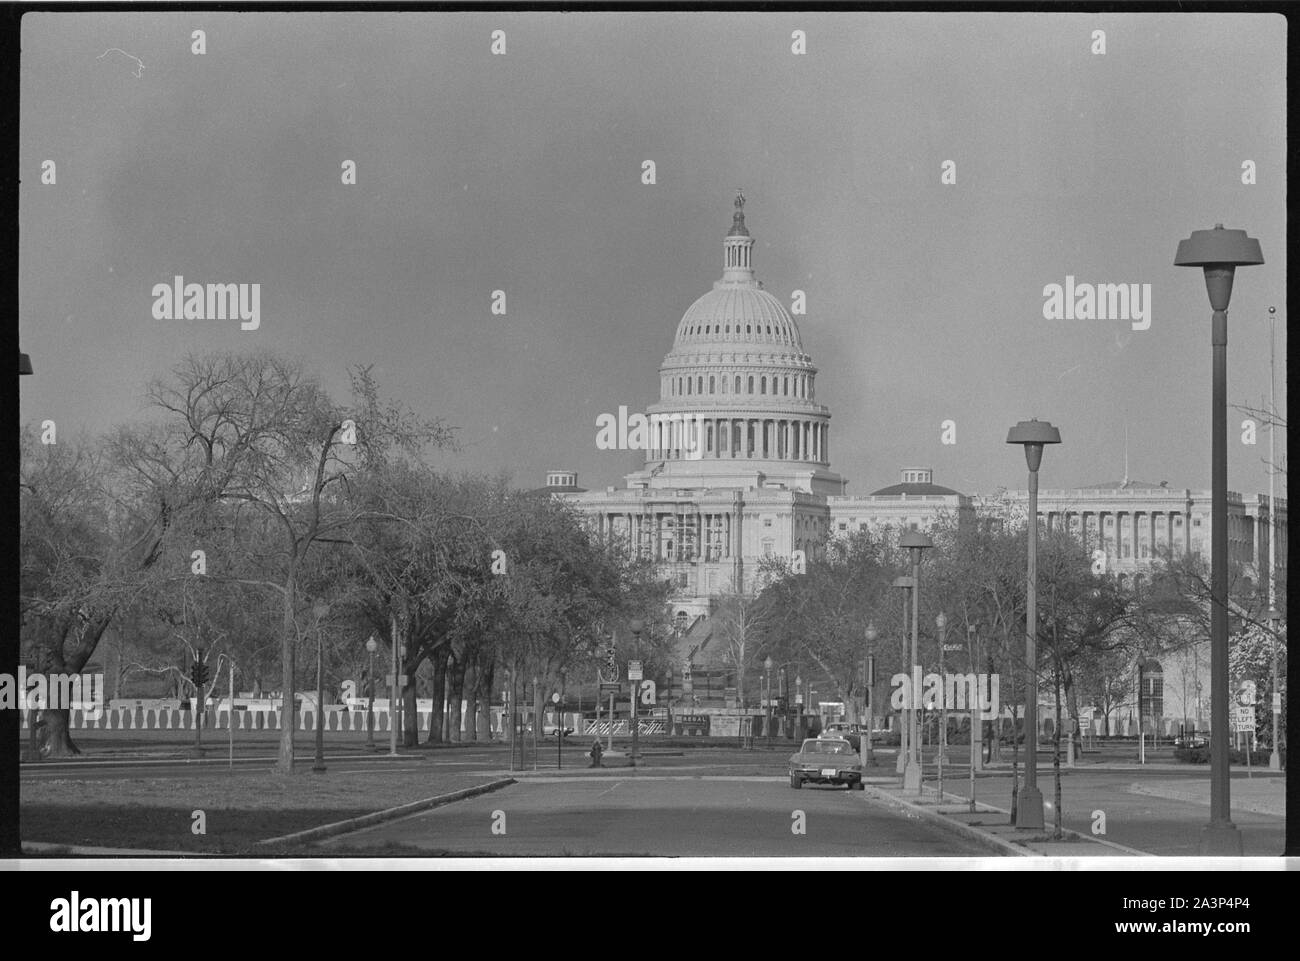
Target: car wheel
x=857 y=786
x=795 y=782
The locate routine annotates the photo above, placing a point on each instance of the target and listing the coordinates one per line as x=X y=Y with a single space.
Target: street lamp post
x=320 y=609
x=371 y=646
x=1219 y=253
x=976 y=714
x=637 y=626
x=1033 y=434
x=767 y=675
x=1275 y=758
x=941 y=622
x=905 y=720
x=783 y=699
x=559 y=732
x=869 y=688
x=915 y=542
x=798 y=704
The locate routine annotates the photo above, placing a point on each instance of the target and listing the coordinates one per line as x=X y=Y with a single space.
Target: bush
x=1201 y=755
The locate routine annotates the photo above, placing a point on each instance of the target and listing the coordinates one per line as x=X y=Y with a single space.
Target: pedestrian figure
x=595 y=753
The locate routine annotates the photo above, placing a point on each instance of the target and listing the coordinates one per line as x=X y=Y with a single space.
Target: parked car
x=849 y=732
x=1191 y=740
x=826 y=760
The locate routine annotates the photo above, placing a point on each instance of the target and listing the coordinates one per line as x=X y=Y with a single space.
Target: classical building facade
x=737 y=467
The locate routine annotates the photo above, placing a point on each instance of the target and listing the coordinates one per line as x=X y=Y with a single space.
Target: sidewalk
x=991 y=825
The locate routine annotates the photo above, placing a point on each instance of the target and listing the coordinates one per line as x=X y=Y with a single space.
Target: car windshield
x=827 y=747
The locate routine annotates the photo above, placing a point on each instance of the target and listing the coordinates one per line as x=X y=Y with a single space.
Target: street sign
x=1245 y=693
x=610 y=687
x=954 y=647
x=634 y=670
x=648 y=692
x=401 y=680
x=1243 y=719
x=1277 y=702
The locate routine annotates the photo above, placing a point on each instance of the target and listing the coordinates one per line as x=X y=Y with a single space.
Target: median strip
x=388 y=814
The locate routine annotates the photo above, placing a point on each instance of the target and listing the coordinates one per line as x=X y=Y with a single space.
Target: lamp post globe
x=1033 y=435
x=1219 y=253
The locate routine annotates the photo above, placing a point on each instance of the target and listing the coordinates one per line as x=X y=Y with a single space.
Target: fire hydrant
x=595 y=753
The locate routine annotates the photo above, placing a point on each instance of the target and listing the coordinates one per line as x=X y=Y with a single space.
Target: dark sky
x=522 y=172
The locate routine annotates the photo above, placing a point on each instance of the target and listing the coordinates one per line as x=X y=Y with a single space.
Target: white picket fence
x=163 y=719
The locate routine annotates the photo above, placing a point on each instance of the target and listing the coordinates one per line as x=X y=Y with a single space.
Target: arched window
x=737 y=390
x=724 y=384
x=751 y=383
x=699 y=385
x=710 y=383
x=762 y=384
x=749 y=328
x=785 y=386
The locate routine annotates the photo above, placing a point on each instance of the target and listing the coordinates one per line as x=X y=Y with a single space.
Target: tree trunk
x=484 y=678
x=410 y=713
x=58 y=739
x=289 y=658
x=471 y=705
x=440 y=657
x=457 y=678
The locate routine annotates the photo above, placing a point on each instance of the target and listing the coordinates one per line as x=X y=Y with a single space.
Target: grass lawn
x=241 y=808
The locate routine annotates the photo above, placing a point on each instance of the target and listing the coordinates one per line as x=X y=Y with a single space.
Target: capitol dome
x=737 y=402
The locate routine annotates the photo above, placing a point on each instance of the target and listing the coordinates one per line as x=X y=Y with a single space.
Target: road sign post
x=559 y=732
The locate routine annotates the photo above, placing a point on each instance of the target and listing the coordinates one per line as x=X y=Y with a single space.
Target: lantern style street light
x=1219 y=253
x=915 y=542
x=371 y=646
x=904 y=584
x=1033 y=434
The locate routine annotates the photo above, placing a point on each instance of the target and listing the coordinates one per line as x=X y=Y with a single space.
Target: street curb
x=146 y=760
x=1028 y=851
x=73 y=850
x=957 y=827
x=389 y=814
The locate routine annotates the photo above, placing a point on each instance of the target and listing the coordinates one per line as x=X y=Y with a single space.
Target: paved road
x=667 y=815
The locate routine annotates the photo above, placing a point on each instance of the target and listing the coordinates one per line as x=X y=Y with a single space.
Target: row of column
x=713 y=535
x=719 y=437
x=1090 y=525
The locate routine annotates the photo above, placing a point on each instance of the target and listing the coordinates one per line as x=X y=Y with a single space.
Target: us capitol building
x=738 y=466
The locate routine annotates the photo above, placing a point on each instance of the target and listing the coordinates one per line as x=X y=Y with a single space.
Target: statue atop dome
x=738 y=228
